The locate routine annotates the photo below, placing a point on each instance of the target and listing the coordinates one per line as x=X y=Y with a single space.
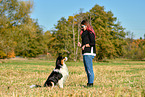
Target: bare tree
x=73 y=38
x=79 y=19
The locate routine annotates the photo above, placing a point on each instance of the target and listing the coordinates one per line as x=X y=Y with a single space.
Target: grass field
x=116 y=78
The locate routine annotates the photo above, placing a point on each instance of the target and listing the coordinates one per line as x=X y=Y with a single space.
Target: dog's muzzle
x=66 y=58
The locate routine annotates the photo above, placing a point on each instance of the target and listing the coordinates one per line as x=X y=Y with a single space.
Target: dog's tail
x=35 y=86
x=51 y=84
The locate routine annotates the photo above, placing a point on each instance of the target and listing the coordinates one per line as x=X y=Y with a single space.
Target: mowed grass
x=115 y=78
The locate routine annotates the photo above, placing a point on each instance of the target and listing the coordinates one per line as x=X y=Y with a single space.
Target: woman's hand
x=87 y=45
x=83 y=47
x=79 y=44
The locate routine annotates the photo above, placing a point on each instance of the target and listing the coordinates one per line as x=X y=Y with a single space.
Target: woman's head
x=85 y=25
x=85 y=22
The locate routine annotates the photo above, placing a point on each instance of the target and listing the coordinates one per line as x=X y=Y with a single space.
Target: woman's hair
x=85 y=22
x=89 y=27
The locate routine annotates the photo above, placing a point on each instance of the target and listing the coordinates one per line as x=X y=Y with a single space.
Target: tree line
x=21 y=35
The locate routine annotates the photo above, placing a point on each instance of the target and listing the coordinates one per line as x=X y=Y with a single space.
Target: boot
x=89 y=84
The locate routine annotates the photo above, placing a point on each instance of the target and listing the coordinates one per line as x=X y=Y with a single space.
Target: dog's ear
x=59 y=58
x=59 y=54
x=58 y=62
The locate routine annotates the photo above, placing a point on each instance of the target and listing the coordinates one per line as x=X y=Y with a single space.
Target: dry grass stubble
x=110 y=80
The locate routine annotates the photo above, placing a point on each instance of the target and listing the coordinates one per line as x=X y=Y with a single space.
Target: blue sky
x=131 y=13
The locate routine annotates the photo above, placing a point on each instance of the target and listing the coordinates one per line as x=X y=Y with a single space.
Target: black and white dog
x=59 y=74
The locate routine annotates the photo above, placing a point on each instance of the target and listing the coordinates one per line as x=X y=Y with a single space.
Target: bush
x=11 y=54
x=137 y=54
x=135 y=50
x=2 y=55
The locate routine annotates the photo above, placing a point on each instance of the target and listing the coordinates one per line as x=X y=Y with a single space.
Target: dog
x=59 y=75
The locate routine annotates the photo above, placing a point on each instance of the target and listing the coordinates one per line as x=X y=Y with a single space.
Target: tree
x=61 y=42
x=110 y=34
x=18 y=32
x=135 y=49
x=30 y=42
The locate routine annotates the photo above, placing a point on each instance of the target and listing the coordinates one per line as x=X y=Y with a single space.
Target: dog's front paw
x=61 y=86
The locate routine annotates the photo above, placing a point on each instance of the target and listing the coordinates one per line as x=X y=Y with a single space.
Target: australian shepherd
x=58 y=76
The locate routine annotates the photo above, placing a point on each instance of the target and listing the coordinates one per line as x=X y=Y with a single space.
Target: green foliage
x=2 y=55
x=110 y=34
x=23 y=36
x=30 y=41
x=61 y=40
x=18 y=32
x=135 y=49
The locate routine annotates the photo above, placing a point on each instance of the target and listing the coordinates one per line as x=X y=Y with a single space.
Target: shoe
x=89 y=84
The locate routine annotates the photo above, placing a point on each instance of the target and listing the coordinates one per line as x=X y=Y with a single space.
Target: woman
x=88 y=50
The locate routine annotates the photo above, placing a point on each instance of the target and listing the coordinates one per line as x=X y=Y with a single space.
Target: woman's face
x=84 y=27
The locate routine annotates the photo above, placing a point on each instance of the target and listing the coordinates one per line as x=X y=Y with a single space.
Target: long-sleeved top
x=88 y=37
